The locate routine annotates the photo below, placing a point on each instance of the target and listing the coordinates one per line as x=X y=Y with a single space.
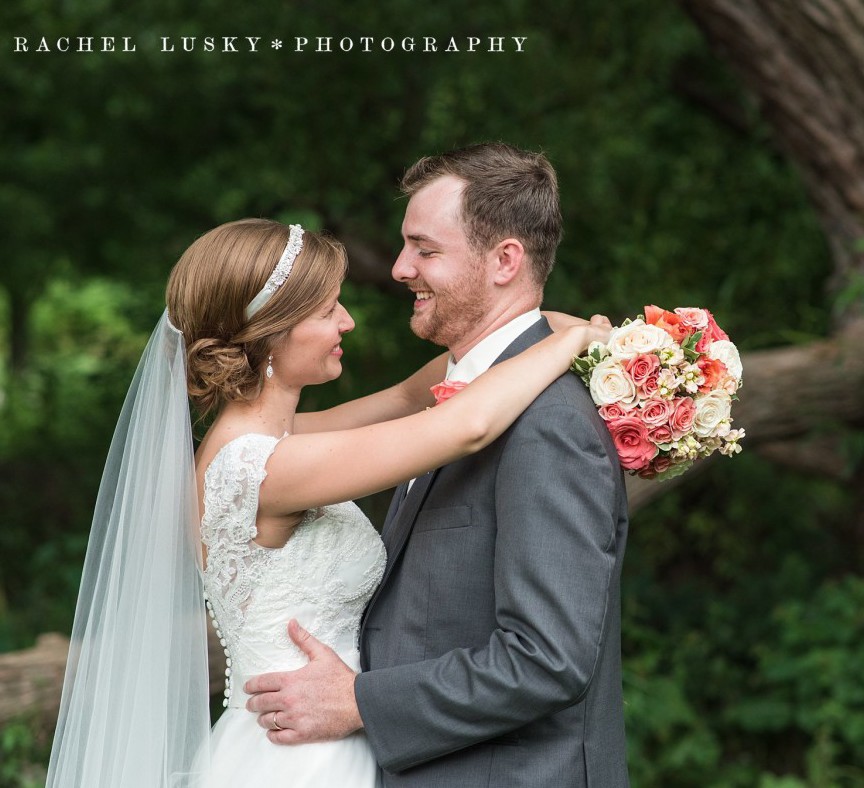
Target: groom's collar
x=485 y=353
x=531 y=336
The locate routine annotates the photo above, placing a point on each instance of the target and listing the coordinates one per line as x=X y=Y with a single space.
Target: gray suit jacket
x=491 y=650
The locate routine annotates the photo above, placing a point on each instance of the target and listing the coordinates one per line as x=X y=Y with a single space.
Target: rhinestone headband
x=280 y=272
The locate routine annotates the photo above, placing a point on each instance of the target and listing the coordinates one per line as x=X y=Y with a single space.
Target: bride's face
x=312 y=353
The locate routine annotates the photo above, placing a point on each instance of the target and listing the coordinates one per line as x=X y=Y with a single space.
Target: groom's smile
x=445 y=274
x=421 y=298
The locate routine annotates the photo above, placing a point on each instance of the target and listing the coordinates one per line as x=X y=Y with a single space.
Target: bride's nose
x=346 y=322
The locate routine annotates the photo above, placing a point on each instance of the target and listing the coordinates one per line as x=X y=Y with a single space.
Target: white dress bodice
x=323 y=576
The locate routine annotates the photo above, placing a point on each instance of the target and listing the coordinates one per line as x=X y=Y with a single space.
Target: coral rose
x=635 y=450
x=445 y=389
x=655 y=412
x=660 y=435
x=681 y=420
x=712 y=333
x=668 y=321
x=614 y=410
x=643 y=369
x=713 y=371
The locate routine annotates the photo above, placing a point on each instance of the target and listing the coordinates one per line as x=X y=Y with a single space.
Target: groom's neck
x=500 y=315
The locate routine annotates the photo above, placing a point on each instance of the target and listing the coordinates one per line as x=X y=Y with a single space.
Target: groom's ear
x=509 y=259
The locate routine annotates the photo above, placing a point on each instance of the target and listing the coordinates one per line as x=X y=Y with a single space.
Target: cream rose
x=610 y=383
x=636 y=338
x=712 y=410
x=725 y=351
x=599 y=348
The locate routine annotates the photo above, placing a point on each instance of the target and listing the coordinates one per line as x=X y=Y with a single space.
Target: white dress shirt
x=477 y=360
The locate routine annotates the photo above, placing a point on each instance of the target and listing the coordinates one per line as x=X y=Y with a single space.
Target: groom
x=491 y=651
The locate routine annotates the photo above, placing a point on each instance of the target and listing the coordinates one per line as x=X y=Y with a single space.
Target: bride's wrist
x=578 y=338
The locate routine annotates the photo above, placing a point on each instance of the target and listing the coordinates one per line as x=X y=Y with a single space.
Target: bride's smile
x=312 y=352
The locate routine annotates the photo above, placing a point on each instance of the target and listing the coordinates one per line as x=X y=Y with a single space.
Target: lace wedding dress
x=323 y=577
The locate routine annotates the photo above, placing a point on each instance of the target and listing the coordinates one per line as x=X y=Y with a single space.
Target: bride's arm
x=314 y=469
x=561 y=320
x=412 y=395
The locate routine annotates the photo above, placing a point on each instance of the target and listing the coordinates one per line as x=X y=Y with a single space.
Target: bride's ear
x=509 y=259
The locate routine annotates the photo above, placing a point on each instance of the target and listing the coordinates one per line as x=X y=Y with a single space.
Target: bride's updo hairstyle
x=215 y=280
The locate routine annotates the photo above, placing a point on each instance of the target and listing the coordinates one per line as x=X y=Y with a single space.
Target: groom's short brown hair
x=508 y=193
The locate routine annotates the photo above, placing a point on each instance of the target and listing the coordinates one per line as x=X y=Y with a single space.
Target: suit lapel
x=530 y=336
x=395 y=503
x=398 y=528
x=405 y=508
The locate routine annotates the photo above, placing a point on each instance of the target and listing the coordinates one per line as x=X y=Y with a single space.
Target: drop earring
x=269 y=371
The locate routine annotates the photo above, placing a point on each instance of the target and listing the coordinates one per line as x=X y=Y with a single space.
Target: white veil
x=135 y=705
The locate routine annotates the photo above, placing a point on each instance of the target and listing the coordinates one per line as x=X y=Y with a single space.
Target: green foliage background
x=743 y=594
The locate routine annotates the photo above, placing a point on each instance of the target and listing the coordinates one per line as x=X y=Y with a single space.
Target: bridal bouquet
x=664 y=384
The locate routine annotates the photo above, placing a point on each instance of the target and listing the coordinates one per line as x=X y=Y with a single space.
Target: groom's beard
x=455 y=310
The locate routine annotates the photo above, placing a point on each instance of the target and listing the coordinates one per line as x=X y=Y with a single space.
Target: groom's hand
x=314 y=703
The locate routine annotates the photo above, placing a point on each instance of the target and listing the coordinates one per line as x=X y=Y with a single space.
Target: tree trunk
x=31 y=680
x=804 y=61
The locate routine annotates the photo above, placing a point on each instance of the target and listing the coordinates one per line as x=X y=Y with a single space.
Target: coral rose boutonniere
x=445 y=389
x=664 y=384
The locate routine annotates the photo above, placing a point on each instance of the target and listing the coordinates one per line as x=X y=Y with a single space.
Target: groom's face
x=450 y=280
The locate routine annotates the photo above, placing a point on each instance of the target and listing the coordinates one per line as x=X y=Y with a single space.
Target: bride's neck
x=271 y=413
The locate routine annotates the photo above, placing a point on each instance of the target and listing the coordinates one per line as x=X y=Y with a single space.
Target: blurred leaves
x=22 y=749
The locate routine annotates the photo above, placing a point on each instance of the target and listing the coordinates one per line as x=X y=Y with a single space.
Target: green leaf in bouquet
x=689 y=347
x=581 y=366
x=691 y=341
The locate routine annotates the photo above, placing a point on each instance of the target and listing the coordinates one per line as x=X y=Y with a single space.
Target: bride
x=253 y=316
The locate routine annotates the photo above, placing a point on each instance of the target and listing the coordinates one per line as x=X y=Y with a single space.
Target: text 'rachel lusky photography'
x=322 y=45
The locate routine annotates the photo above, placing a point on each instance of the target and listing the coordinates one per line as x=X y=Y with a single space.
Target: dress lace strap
x=235 y=564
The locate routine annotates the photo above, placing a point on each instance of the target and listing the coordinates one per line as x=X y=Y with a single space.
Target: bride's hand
x=596 y=329
x=584 y=332
x=558 y=321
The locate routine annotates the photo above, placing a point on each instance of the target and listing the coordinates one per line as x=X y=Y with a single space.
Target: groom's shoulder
x=565 y=409
x=568 y=391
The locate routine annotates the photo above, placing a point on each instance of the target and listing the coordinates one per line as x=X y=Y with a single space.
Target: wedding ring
x=276 y=725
